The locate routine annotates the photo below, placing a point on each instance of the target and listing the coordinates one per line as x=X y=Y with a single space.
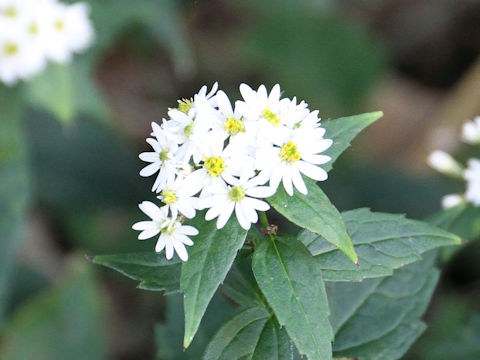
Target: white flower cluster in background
x=446 y=164
x=32 y=32
x=211 y=155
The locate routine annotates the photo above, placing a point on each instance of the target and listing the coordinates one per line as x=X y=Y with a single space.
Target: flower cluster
x=211 y=155
x=35 y=31
x=446 y=164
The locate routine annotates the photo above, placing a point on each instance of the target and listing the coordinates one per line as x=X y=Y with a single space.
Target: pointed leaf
x=343 y=130
x=291 y=281
x=316 y=213
x=153 y=270
x=379 y=319
x=237 y=337
x=209 y=261
x=274 y=343
x=383 y=242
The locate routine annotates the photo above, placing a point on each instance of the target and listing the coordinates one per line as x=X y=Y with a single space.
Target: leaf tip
x=90 y=258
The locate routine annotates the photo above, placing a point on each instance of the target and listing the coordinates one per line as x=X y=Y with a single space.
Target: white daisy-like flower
x=242 y=196
x=298 y=153
x=472 y=175
x=162 y=159
x=444 y=163
x=179 y=198
x=173 y=235
x=471 y=131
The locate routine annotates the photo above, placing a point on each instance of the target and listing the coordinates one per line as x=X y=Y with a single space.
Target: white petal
x=312 y=171
x=298 y=181
x=169 y=248
x=276 y=176
x=317 y=159
x=186 y=210
x=257 y=204
x=151 y=210
x=249 y=210
x=149 y=157
x=242 y=219
x=275 y=94
x=261 y=191
x=150 y=169
x=144 y=225
x=180 y=249
x=248 y=94
x=287 y=182
x=214 y=212
x=188 y=230
x=147 y=234
x=225 y=215
x=224 y=104
x=160 y=244
x=155 y=145
x=184 y=239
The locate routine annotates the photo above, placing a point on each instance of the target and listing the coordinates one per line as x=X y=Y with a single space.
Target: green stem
x=263 y=220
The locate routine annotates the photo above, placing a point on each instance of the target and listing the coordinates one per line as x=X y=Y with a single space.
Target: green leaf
x=384 y=242
x=343 y=130
x=291 y=281
x=237 y=338
x=153 y=270
x=14 y=184
x=65 y=322
x=274 y=343
x=209 y=261
x=316 y=213
x=240 y=285
x=379 y=319
x=67 y=90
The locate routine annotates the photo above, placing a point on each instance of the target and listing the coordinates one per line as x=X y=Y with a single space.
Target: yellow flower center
x=185 y=105
x=236 y=193
x=10 y=48
x=163 y=155
x=10 y=12
x=33 y=28
x=234 y=126
x=271 y=117
x=215 y=165
x=188 y=130
x=168 y=196
x=289 y=152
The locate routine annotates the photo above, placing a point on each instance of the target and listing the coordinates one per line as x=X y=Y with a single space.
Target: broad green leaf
x=240 y=285
x=384 y=242
x=291 y=281
x=316 y=213
x=343 y=130
x=65 y=322
x=379 y=319
x=67 y=90
x=238 y=337
x=209 y=261
x=169 y=334
x=274 y=343
x=153 y=270
x=14 y=184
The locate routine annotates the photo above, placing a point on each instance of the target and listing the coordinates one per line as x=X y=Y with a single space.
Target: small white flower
x=161 y=159
x=472 y=175
x=241 y=197
x=452 y=200
x=173 y=235
x=444 y=163
x=471 y=131
x=179 y=198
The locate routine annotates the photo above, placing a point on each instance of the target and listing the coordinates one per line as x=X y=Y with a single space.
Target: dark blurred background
x=416 y=60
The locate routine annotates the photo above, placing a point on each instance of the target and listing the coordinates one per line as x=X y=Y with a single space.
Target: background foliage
x=69 y=183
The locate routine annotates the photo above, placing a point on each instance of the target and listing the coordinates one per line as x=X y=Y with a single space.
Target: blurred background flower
x=69 y=181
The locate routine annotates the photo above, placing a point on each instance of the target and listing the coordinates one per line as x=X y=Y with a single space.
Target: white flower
x=444 y=163
x=472 y=175
x=452 y=200
x=296 y=154
x=162 y=159
x=240 y=197
x=471 y=131
x=179 y=198
x=173 y=235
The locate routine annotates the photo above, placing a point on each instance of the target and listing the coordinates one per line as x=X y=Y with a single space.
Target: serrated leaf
x=383 y=242
x=14 y=184
x=291 y=281
x=237 y=338
x=316 y=213
x=153 y=270
x=209 y=261
x=343 y=130
x=378 y=319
